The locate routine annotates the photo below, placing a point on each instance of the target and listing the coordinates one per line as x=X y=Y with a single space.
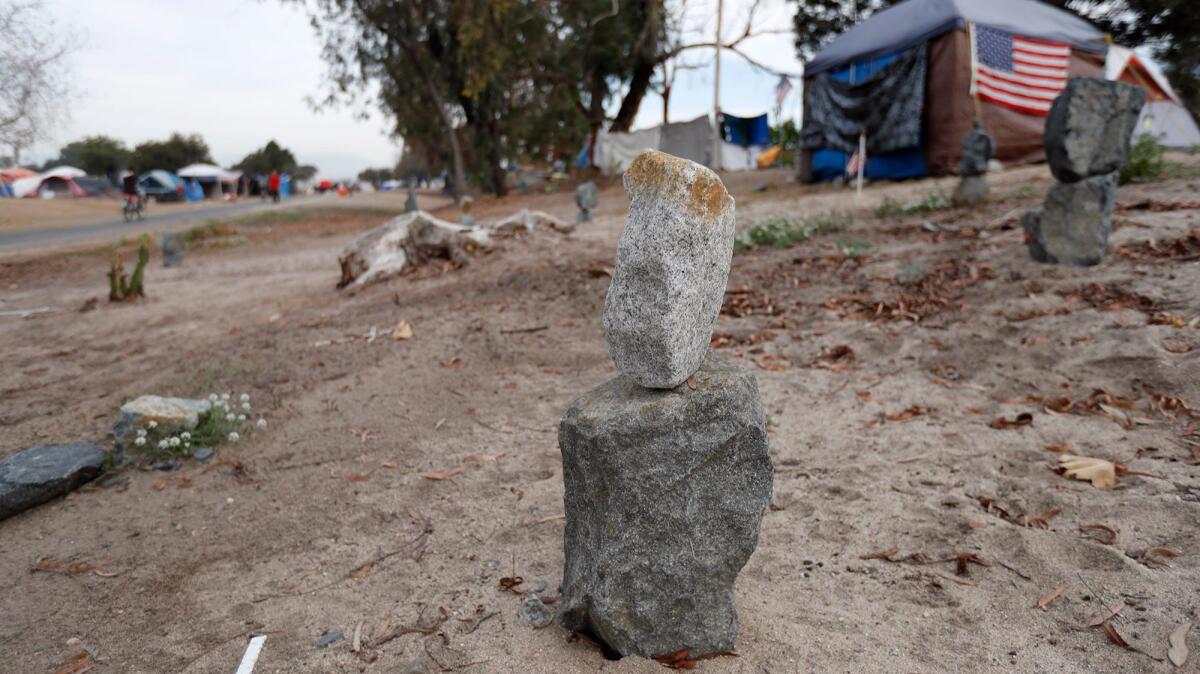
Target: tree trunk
x=666 y=96
x=638 y=85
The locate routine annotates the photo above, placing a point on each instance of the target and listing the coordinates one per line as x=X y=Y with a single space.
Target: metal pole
x=716 y=143
x=862 y=162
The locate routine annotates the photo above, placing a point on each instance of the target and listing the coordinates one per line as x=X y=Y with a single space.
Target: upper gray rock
x=1090 y=126
x=672 y=267
x=976 y=150
x=664 y=494
x=38 y=474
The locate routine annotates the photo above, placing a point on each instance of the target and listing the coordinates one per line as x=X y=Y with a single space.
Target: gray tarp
x=690 y=140
x=917 y=21
x=888 y=106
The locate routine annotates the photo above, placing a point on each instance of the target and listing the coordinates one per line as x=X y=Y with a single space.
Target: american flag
x=852 y=164
x=1020 y=73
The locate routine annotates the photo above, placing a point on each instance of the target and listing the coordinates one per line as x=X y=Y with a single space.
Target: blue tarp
x=5 y=190
x=828 y=164
x=745 y=131
x=192 y=190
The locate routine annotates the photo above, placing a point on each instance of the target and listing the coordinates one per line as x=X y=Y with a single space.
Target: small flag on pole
x=782 y=90
x=852 y=165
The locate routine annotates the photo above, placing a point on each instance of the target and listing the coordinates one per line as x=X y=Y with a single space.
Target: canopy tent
x=1164 y=115
x=214 y=180
x=909 y=80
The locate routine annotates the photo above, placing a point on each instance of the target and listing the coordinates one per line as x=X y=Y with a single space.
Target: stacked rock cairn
x=586 y=197
x=977 y=149
x=666 y=470
x=1088 y=132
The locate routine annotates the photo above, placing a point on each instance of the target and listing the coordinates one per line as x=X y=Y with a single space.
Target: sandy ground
x=324 y=522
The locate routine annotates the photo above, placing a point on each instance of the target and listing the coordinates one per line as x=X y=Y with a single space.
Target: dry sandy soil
x=910 y=531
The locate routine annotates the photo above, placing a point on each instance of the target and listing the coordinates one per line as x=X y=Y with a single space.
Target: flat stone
x=35 y=475
x=1090 y=126
x=202 y=453
x=1073 y=224
x=329 y=637
x=664 y=493
x=533 y=612
x=672 y=267
x=525 y=221
x=972 y=190
x=171 y=414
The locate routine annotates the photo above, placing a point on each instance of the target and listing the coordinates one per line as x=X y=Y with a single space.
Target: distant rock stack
x=410 y=204
x=665 y=468
x=978 y=148
x=1088 y=132
x=586 y=199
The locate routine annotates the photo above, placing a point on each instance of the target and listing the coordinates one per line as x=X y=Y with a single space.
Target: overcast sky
x=238 y=73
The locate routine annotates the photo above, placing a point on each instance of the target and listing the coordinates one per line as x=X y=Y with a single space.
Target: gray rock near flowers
x=170 y=415
x=664 y=494
x=672 y=267
x=35 y=475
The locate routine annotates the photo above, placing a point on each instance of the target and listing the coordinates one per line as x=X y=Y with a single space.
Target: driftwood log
x=405 y=242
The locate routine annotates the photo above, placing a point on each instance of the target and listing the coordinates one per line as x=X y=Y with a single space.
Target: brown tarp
x=950 y=110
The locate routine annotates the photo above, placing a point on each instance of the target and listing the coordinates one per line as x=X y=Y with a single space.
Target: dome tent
x=1164 y=115
x=919 y=58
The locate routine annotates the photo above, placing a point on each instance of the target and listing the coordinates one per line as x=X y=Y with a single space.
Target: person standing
x=273 y=186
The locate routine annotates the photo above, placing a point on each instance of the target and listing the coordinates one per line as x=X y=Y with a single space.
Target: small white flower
x=185 y=435
x=139 y=441
x=152 y=424
x=141 y=432
x=261 y=423
x=230 y=417
x=162 y=444
x=241 y=417
x=224 y=396
x=187 y=445
x=212 y=397
x=233 y=437
x=245 y=397
x=246 y=407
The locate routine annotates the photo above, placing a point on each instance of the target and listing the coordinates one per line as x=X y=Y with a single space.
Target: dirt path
x=323 y=521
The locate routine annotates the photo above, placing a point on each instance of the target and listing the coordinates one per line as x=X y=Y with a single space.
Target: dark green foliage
x=270 y=157
x=171 y=154
x=375 y=176
x=97 y=155
x=1145 y=161
x=121 y=287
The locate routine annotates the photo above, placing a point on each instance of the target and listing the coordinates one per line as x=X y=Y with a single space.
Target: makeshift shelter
x=911 y=80
x=691 y=140
x=214 y=180
x=1164 y=115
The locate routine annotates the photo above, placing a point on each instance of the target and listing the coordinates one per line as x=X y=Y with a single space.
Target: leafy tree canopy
x=172 y=154
x=97 y=155
x=270 y=157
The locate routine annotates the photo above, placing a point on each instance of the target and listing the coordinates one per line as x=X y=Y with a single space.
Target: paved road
x=15 y=240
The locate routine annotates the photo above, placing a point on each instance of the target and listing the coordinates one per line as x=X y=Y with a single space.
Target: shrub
x=782 y=231
x=1145 y=163
x=933 y=201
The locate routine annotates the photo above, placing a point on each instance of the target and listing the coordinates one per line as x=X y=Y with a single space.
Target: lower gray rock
x=533 y=612
x=664 y=491
x=971 y=191
x=36 y=475
x=1073 y=224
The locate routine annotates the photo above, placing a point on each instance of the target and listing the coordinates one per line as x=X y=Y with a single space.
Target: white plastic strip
x=251 y=656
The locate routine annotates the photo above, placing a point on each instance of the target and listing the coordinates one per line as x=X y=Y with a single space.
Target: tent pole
x=862 y=162
x=974 y=88
x=716 y=141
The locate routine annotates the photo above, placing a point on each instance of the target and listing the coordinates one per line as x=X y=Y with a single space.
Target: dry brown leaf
x=1099 y=533
x=691 y=382
x=962 y=559
x=452 y=364
x=1099 y=472
x=1178 y=651
x=1107 y=615
x=905 y=415
x=1115 y=637
x=1041 y=521
x=1150 y=557
x=362 y=570
x=484 y=458
x=1023 y=419
x=402 y=331
x=885 y=555
x=355 y=477
x=1063 y=447
x=442 y=474
x=77 y=664
x=1044 y=601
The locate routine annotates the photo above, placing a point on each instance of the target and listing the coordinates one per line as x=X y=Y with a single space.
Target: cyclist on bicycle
x=131 y=190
